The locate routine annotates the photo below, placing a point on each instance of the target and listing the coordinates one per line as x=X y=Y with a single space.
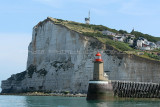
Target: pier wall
x=136 y=89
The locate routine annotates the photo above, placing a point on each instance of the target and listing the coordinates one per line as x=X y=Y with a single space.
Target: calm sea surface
x=53 y=101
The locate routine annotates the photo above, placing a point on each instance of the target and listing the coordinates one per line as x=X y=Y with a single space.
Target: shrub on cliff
x=123 y=32
x=66 y=92
x=153 y=56
x=97 y=34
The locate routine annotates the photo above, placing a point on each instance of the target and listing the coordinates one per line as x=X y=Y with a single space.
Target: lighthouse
x=98 y=73
x=99 y=87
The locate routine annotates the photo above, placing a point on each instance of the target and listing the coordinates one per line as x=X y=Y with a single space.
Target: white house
x=118 y=38
x=130 y=41
x=106 y=32
x=139 y=43
x=129 y=36
x=152 y=45
x=143 y=44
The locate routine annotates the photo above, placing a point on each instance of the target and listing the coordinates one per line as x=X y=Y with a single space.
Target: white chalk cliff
x=60 y=59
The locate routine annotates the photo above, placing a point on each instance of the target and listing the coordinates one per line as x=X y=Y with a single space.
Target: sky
x=18 y=17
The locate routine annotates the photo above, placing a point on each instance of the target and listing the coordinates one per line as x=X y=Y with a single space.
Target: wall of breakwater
x=102 y=90
x=136 y=89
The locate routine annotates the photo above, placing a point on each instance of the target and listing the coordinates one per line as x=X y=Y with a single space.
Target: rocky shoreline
x=46 y=94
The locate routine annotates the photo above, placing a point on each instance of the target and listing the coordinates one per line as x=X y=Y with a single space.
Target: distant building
x=87 y=20
x=128 y=38
x=118 y=38
x=144 y=44
x=158 y=44
x=152 y=45
x=106 y=32
x=139 y=43
x=130 y=41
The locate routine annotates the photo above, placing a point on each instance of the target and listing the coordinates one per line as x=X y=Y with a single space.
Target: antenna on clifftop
x=87 y=20
x=132 y=30
x=89 y=15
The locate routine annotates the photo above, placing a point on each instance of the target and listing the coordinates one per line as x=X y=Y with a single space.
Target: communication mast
x=87 y=20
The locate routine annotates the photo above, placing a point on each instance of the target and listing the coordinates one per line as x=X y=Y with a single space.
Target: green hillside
x=96 y=32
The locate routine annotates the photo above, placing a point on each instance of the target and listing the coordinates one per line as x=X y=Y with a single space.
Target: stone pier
x=99 y=90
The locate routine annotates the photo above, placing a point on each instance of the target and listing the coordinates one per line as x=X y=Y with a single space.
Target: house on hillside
x=152 y=45
x=118 y=38
x=144 y=44
x=107 y=32
x=158 y=44
x=128 y=38
x=130 y=41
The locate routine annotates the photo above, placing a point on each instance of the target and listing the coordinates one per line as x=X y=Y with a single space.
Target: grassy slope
x=95 y=31
x=117 y=45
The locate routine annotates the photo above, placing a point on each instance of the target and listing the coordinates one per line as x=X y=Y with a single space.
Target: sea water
x=57 y=101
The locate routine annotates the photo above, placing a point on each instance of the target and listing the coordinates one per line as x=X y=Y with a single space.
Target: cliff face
x=60 y=59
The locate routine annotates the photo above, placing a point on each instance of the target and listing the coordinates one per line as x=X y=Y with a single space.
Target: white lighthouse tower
x=87 y=20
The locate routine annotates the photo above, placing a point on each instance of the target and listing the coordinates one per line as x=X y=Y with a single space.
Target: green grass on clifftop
x=96 y=32
x=117 y=45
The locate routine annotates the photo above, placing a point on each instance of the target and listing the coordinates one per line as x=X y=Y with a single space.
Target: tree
x=123 y=31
